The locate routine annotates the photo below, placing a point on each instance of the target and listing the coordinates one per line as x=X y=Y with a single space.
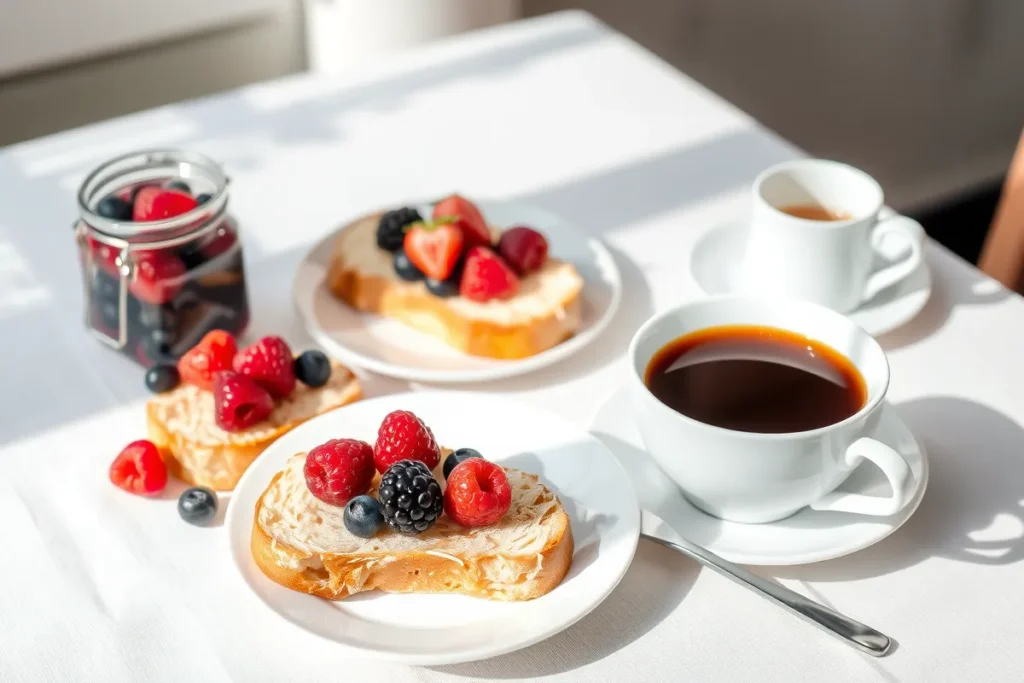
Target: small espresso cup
x=762 y=477
x=831 y=261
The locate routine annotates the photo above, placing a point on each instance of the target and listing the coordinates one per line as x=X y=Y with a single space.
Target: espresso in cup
x=814 y=212
x=753 y=378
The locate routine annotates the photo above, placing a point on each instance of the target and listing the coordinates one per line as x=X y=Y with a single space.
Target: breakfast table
x=564 y=113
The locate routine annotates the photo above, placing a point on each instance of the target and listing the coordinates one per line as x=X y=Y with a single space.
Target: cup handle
x=911 y=232
x=893 y=466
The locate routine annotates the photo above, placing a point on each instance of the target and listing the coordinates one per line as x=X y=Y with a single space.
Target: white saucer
x=391 y=348
x=714 y=258
x=808 y=536
x=588 y=479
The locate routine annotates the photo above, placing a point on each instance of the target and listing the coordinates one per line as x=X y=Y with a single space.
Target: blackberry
x=391 y=229
x=410 y=497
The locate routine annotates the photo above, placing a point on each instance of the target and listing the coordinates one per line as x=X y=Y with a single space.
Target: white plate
x=583 y=473
x=808 y=536
x=391 y=348
x=714 y=258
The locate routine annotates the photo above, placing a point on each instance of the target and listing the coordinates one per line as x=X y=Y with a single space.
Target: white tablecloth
x=98 y=586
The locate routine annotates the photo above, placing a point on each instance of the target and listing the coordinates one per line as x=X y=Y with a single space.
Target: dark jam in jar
x=161 y=257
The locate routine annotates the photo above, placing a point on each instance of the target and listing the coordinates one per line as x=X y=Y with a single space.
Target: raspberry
x=403 y=436
x=269 y=363
x=478 y=493
x=154 y=203
x=339 y=470
x=139 y=469
x=524 y=248
x=238 y=402
x=213 y=353
x=158 y=276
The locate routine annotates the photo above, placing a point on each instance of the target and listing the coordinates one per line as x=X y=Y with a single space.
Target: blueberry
x=455 y=457
x=363 y=517
x=105 y=288
x=312 y=368
x=405 y=268
x=161 y=378
x=204 y=197
x=114 y=208
x=198 y=505
x=180 y=186
x=443 y=288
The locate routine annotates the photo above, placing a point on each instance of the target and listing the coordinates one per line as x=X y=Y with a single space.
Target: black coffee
x=756 y=379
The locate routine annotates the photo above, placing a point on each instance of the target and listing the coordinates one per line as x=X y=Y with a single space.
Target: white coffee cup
x=754 y=477
x=829 y=262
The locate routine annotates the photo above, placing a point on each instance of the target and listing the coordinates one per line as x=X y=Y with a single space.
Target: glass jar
x=153 y=288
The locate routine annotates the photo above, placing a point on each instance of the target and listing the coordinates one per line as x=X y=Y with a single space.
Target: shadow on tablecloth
x=973 y=510
x=657 y=581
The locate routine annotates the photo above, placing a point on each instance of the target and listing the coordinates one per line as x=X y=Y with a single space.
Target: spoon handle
x=850 y=631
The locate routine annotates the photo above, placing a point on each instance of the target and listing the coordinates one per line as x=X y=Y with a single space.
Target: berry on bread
x=478 y=493
x=524 y=248
x=339 y=470
x=486 y=276
x=269 y=362
x=139 y=469
x=238 y=402
x=312 y=368
x=465 y=215
x=403 y=436
x=434 y=248
x=410 y=497
x=363 y=516
x=456 y=457
x=391 y=228
x=214 y=352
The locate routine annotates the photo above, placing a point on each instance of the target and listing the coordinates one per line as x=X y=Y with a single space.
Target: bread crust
x=413 y=305
x=219 y=463
x=337 y=576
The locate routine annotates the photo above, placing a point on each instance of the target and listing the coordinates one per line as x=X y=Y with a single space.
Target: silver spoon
x=850 y=631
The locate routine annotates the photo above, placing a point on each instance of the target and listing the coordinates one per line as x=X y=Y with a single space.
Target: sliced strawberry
x=139 y=469
x=468 y=219
x=486 y=276
x=156 y=203
x=203 y=361
x=238 y=402
x=158 y=275
x=434 y=248
x=268 y=362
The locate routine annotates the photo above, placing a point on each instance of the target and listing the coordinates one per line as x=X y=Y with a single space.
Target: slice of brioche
x=545 y=311
x=181 y=423
x=301 y=542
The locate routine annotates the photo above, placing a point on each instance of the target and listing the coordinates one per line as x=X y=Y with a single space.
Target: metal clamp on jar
x=161 y=259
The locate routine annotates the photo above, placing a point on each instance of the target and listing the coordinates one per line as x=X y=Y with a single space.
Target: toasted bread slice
x=545 y=312
x=181 y=423
x=301 y=542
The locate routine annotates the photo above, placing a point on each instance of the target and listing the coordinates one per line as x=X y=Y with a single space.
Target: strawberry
x=238 y=402
x=466 y=217
x=478 y=493
x=158 y=275
x=339 y=470
x=524 y=248
x=213 y=353
x=434 y=248
x=155 y=203
x=403 y=436
x=486 y=276
x=139 y=469
x=269 y=363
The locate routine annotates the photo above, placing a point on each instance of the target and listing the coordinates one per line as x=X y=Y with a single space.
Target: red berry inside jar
x=161 y=257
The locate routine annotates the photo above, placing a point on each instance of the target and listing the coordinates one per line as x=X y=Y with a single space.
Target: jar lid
x=139 y=168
